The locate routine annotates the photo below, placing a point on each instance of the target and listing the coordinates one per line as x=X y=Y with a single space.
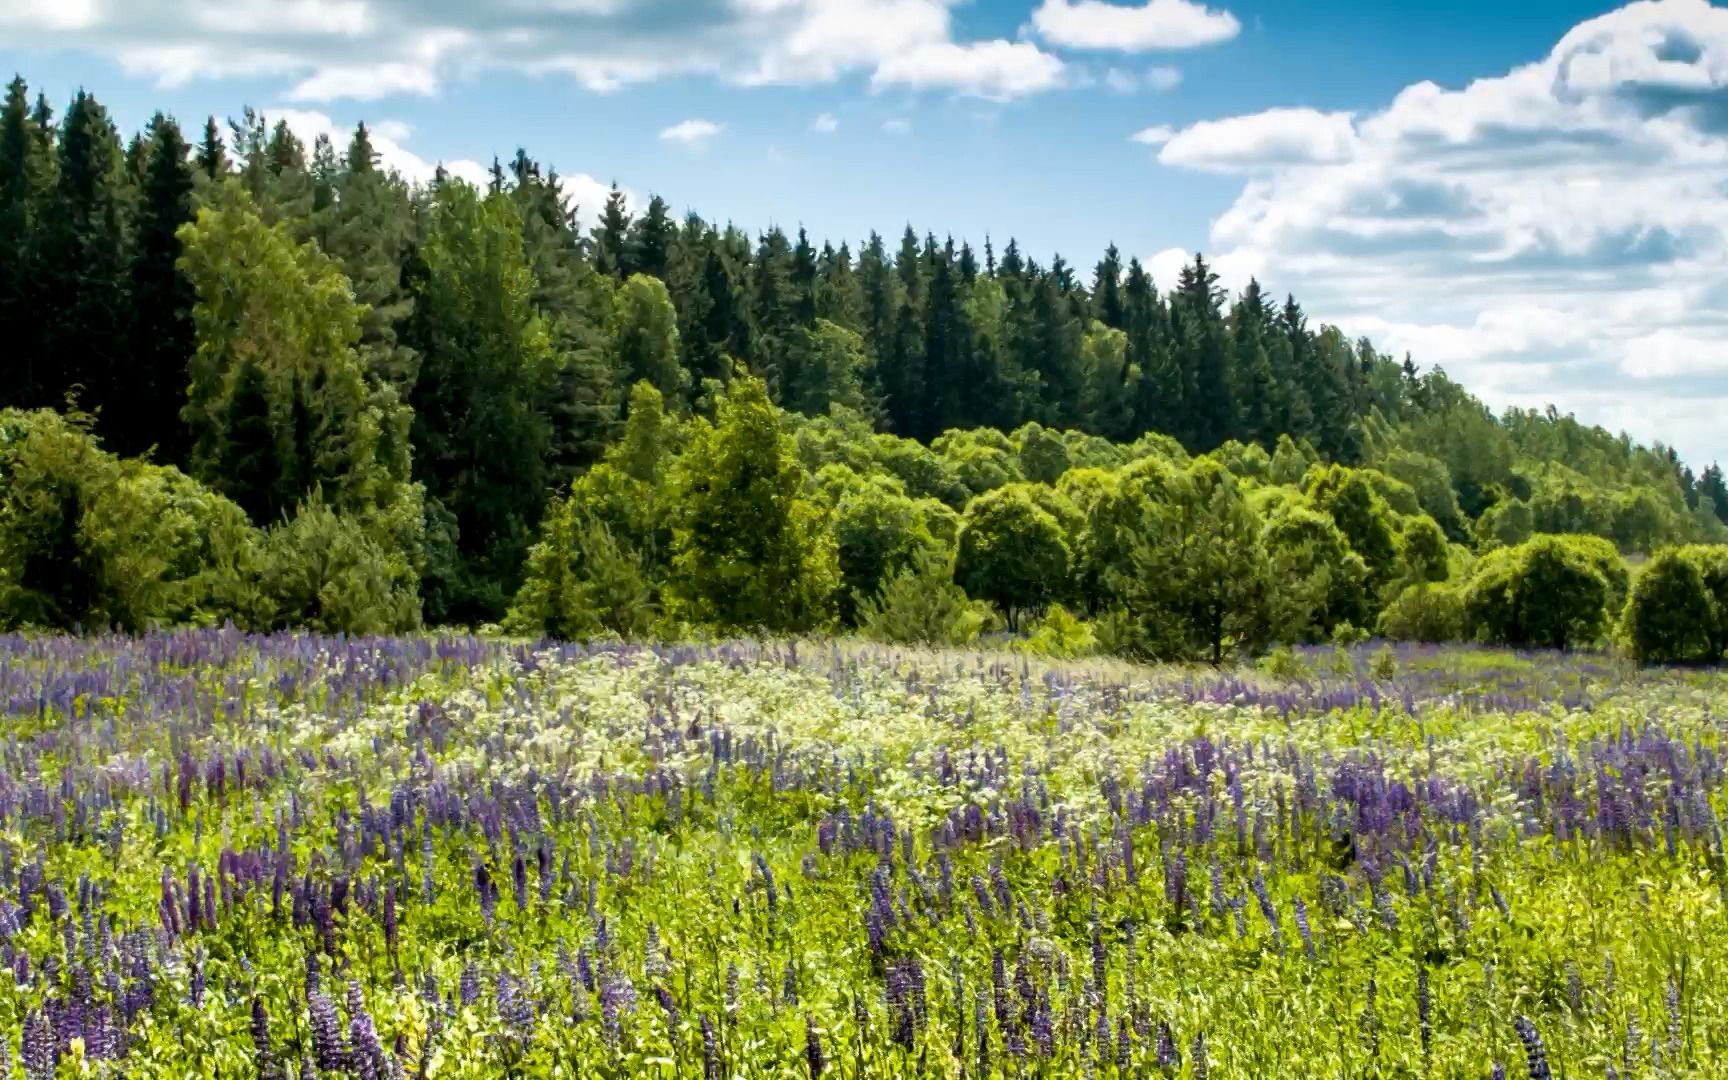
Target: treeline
x=331 y=375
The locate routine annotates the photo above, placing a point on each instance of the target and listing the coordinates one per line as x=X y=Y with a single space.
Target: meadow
x=291 y=856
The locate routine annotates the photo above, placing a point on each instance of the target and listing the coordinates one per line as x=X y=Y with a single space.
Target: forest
x=256 y=382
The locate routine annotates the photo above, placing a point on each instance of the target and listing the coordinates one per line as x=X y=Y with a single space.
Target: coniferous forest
x=249 y=380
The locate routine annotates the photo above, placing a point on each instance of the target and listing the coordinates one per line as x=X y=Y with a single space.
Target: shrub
x=326 y=573
x=921 y=605
x=1424 y=612
x=1547 y=592
x=1672 y=613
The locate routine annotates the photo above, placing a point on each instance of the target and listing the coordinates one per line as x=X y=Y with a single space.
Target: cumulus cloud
x=1155 y=24
x=897 y=126
x=370 y=49
x=995 y=70
x=1265 y=140
x=1156 y=135
x=1556 y=233
x=692 y=133
x=826 y=124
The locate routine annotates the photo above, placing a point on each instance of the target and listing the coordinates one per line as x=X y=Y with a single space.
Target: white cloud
x=1160 y=79
x=1155 y=24
x=1155 y=135
x=1163 y=79
x=1270 y=139
x=897 y=126
x=1556 y=233
x=692 y=133
x=995 y=70
x=826 y=124
x=372 y=49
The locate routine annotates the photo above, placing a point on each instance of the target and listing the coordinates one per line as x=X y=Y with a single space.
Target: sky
x=1532 y=195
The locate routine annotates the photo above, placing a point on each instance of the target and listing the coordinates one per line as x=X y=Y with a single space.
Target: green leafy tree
x=582 y=584
x=1201 y=586
x=1319 y=580
x=1670 y=615
x=278 y=405
x=749 y=553
x=1012 y=553
x=878 y=533
x=1544 y=593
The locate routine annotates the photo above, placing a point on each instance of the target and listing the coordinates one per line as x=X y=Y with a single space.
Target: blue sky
x=1530 y=194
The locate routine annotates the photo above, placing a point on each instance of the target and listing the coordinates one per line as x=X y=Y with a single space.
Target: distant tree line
x=254 y=380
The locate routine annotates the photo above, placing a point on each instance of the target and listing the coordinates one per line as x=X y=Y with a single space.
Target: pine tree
x=481 y=430
x=612 y=255
x=370 y=232
x=1255 y=388
x=1108 y=306
x=575 y=301
x=1208 y=408
x=25 y=174
x=651 y=240
x=85 y=261
x=153 y=382
x=947 y=352
x=838 y=296
x=212 y=155
x=772 y=318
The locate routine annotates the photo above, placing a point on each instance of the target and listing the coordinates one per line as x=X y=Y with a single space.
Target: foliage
x=1012 y=552
x=921 y=605
x=1201 y=586
x=1424 y=612
x=749 y=552
x=1547 y=592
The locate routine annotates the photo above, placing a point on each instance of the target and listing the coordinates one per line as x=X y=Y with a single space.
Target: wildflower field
x=290 y=856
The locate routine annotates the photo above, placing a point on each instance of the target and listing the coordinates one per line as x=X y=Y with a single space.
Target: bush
x=1671 y=615
x=921 y=605
x=582 y=584
x=1424 y=612
x=1547 y=592
x=325 y=573
x=1059 y=635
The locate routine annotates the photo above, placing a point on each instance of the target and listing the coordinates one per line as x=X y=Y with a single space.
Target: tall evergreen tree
x=1108 y=305
x=153 y=381
x=85 y=261
x=1209 y=409
x=612 y=254
x=212 y=154
x=651 y=239
x=25 y=175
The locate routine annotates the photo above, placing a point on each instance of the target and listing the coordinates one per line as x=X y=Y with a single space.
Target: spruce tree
x=651 y=238
x=86 y=261
x=612 y=255
x=25 y=173
x=1108 y=305
x=153 y=381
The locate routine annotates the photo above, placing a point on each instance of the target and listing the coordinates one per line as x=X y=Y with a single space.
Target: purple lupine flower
x=813 y=1047
x=468 y=986
x=1535 y=1054
x=733 y=999
x=40 y=1050
x=1124 y=1048
x=1676 y=1028
x=710 y=1051
x=260 y=1031
x=789 y=986
x=1498 y=1072
x=326 y=1026
x=1198 y=1055
x=1303 y=929
x=1164 y=1053
x=366 y=1053
x=1369 y=1022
